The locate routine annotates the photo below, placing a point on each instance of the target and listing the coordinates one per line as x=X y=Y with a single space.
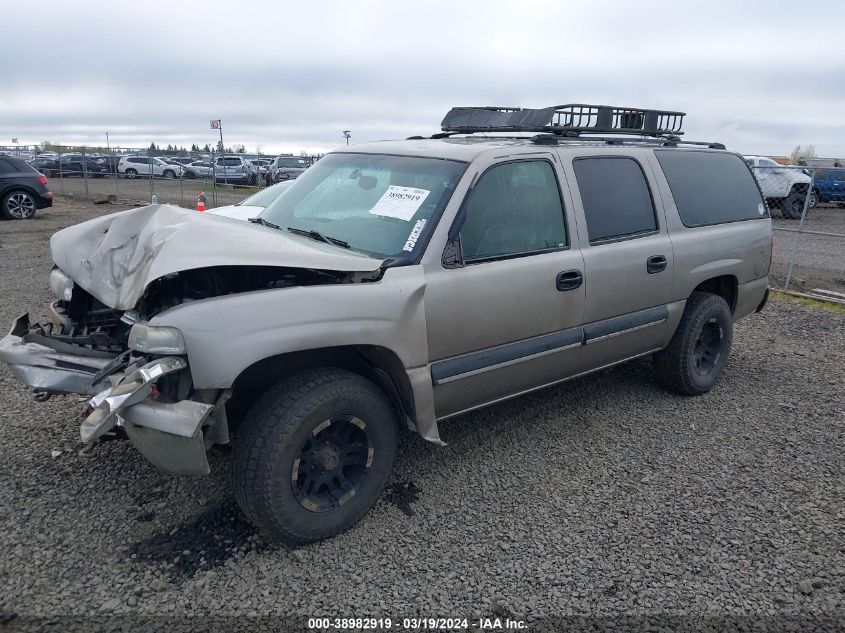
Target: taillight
x=42 y=179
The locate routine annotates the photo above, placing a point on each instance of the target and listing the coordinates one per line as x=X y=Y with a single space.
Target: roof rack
x=565 y=120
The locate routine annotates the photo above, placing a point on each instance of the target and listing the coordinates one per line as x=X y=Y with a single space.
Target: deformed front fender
x=225 y=335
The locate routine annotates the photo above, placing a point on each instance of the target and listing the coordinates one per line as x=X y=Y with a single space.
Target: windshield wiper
x=263 y=222
x=316 y=235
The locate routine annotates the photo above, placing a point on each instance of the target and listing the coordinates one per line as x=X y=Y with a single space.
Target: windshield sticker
x=400 y=202
x=414 y=236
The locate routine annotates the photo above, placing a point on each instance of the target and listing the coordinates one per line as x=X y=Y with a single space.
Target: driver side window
x=515 y=209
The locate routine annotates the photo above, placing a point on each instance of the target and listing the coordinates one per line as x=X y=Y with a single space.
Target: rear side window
x=711 y=187
x=7 y=166
x=616 y=198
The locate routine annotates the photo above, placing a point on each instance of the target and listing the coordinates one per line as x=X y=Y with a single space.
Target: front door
x=508 y=318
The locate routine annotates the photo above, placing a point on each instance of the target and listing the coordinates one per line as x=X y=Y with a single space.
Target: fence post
x=800 y=227
x=85 y=171
x=61 y=173
x=150 y=168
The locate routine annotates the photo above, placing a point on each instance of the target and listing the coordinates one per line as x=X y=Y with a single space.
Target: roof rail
x=565 y=120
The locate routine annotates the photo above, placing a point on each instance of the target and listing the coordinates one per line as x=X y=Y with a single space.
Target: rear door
x=628 y=258
x=508 y=319
x=7 y=172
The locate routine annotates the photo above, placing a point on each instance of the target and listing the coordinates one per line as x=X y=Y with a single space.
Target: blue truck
x=829 y=186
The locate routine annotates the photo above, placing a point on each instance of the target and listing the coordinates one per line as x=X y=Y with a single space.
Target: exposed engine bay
x=85 y=321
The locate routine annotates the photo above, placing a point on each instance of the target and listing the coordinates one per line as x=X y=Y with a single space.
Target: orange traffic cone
x=200 y=201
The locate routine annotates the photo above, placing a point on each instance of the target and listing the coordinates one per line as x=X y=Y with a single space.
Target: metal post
x=112 y=166
x=85 y=171
x=799 y=232
x=150 y=167
x=61 y=175
x=213 y=179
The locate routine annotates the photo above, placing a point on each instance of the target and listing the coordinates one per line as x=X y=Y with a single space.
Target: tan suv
x=398 y=284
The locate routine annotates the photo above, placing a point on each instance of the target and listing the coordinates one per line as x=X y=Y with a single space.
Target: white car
x=254 y=205
x=198 y=169
x=134 y=166
x=784 y=187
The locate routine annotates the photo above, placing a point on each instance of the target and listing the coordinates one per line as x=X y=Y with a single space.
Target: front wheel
x=793 y=206
x=698 y=351
x=313 y=454
x=169 y=174
x=131 y=174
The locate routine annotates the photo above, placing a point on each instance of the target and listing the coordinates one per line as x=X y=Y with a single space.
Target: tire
x=282 y=469
x=189 y=175
x=814 y=199
x=169 y=174
x=18 y=205
x=131 y=174
x=793 y=205
x=698 y=351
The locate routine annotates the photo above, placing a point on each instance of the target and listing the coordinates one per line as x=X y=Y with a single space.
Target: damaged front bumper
x=169 y=434
x=53 y=366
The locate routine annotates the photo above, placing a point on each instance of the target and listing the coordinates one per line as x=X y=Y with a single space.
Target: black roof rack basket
x=567 y=120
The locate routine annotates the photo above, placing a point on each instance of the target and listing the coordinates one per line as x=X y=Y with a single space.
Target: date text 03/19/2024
x=423 y=624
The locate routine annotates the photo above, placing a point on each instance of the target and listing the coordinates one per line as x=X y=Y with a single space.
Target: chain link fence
x=807 y=205
x=142 y=176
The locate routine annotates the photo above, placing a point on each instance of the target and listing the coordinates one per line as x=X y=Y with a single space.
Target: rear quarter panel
x=740 y=249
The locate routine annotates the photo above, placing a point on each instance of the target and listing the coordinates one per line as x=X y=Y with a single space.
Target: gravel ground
x=605 y=498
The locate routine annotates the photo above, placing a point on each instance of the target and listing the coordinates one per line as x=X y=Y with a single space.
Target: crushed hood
x=116 y=256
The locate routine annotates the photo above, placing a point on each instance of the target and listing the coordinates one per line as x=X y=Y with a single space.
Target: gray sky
x=761 y=77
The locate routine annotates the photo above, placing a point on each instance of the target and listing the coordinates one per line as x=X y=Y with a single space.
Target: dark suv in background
x=23 y=190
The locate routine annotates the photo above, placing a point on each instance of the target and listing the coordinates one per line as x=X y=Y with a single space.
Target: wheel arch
x=377 y=363
x=725 y=286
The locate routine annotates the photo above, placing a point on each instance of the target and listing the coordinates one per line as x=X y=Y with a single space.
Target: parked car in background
x=286 y=168
x=134 y=166
x=783 y=187
x=829 y=186
x=254 y=205
x=79 y=165
x=47 y=166
x=184 y=160
x=234 y=169
x=261 y=164
x=23 y=190
x=198 y=169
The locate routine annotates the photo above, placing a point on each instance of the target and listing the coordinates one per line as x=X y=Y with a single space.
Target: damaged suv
x=398 y=284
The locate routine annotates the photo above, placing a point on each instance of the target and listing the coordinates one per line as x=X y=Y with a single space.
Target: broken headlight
x=61 y=285
x=156 y=339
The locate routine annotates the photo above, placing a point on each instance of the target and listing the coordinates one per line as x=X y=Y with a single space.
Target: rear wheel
x=131 y=174
x=814 y=199
x=313 y=454
x=699 y=350
x=18 y=205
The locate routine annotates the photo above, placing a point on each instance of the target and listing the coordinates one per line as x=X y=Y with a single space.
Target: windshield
x=265 y=196
x=380 y=205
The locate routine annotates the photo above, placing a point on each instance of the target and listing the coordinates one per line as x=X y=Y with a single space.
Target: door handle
x=655 y=264
x=569 y=280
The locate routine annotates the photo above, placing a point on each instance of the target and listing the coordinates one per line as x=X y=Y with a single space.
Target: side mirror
x=453 y=256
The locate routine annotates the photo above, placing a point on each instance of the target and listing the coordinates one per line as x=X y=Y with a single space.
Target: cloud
x=292 y=76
